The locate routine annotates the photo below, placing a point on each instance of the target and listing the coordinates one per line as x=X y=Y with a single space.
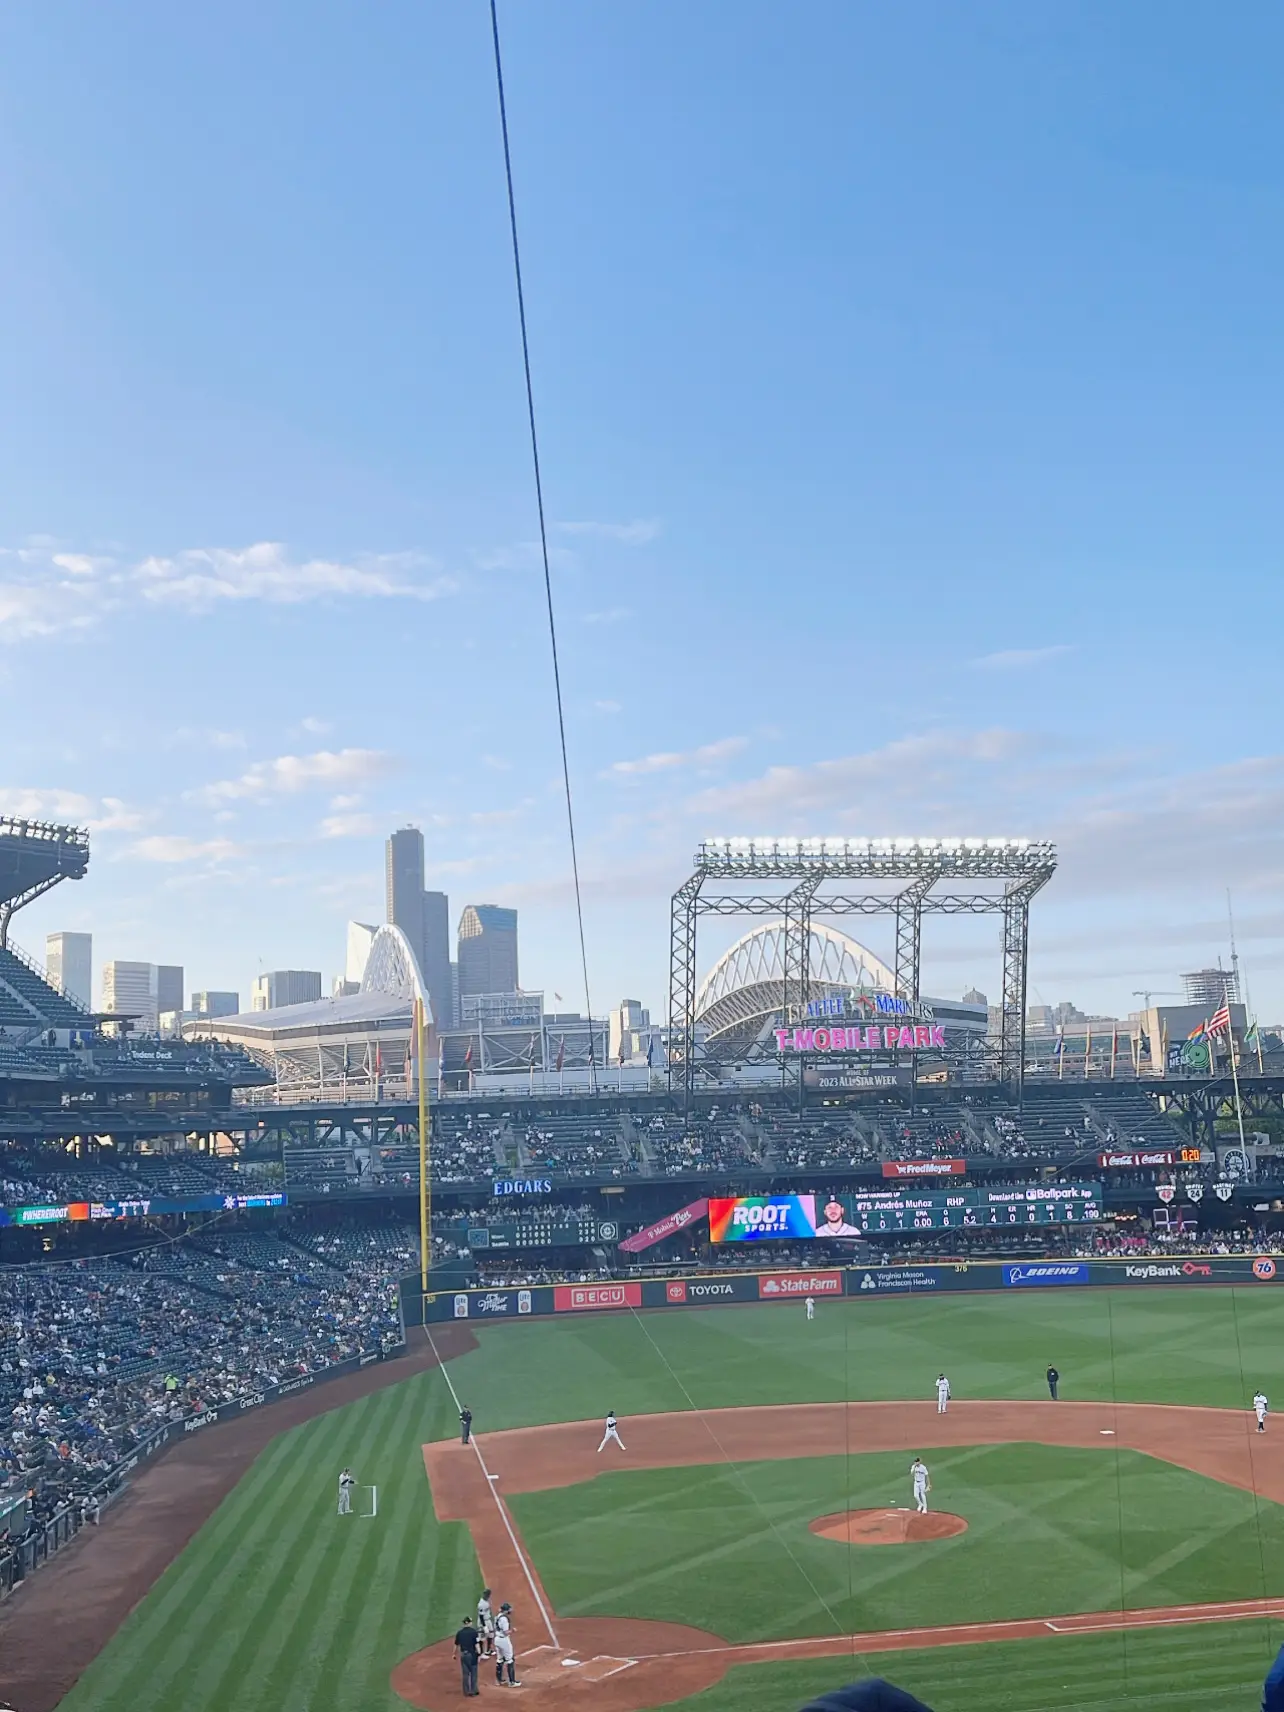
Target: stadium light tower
x=34 y=856
x=918 y=877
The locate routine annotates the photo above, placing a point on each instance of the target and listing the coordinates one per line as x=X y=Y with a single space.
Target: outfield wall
x=709 y=1289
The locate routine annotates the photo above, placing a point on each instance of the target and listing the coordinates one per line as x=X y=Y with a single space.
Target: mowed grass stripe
x=319 y=1539
x=238 y=1547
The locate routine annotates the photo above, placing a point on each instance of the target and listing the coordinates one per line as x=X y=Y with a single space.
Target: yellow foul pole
x=425 y=1195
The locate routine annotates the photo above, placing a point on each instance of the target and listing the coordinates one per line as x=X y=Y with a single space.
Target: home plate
x=1107 y=1432
x=587 y=1670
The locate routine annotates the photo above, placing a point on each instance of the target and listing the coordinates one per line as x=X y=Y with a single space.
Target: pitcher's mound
x=887 y=1527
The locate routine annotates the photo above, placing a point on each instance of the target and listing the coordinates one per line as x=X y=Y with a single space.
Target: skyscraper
x=69 y=959
x=487 y=950
x=1211 y=987
x=360 y=939
x=424 y=917
x=129 y=989
x=404 y=877
x=169 y=987
x=285 y=987
x=434 y=962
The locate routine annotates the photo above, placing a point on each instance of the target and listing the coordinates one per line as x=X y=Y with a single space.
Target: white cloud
x=608 y=707
x=98 y=814
x=315 y=727
x=171 y=848
x=202 y=577
x=612 y=615
x=348 y=826
x=634 y=534
x=1018 y=659
x=288 y=774
x=708 y=754
x=47 y=593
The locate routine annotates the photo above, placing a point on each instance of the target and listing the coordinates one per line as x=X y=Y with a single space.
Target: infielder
x=346 y=1483
x=942 y=1394
x=486 y=1624
x=811 y=1307
x=922 y=1484
x=610 y=1433
x=504 y=1647
x=1260 y=1406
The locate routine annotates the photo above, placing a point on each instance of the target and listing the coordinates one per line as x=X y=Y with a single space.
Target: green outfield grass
x=278 y=1606
x=728 y=1548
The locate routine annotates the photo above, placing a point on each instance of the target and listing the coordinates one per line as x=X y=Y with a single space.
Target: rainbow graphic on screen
x=751 y=1218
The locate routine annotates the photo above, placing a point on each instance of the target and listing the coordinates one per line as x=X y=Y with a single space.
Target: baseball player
x=811 y=1307
x=504 y=1646
x=1260 y=1406
x=346 y=1483
x=922 y=1484
x=486 y=1624
x=611 y=1433
x=942 y=1394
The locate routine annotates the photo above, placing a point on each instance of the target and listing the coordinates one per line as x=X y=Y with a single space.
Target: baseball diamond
x=755 y=1539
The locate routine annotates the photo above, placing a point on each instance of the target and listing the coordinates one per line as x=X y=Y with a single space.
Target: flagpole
x=425 y=1202
x=1114 y=1049
x=1239 y=1107
x=1087 y=1050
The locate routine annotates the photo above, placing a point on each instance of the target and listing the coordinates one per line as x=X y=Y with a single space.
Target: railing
x=42 y=974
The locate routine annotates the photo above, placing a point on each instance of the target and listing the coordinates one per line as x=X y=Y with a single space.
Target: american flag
x=1219 y=1022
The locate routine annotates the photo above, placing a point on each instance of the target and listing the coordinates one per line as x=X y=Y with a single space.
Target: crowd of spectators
x=95 y=1355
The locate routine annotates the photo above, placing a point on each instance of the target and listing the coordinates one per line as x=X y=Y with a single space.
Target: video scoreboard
x=974 y=1208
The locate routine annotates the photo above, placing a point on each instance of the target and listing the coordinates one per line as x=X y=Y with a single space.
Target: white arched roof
x=758 y=958
x=392 y=969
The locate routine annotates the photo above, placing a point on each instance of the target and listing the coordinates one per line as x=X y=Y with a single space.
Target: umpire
x=465 y=1424
x=466 y=1653
x=1054 y=1379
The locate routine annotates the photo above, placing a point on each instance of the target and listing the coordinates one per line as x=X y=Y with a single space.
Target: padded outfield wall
x=706 y=1289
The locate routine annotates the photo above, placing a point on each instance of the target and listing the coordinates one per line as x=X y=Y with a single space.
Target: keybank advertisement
x=749 y=1218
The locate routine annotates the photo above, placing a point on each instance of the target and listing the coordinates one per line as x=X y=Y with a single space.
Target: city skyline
x=937 y=362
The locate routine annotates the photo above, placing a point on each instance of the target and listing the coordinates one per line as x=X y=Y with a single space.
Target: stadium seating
x=46 y=1004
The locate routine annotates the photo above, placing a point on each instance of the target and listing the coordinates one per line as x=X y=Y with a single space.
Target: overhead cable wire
x=543 y=534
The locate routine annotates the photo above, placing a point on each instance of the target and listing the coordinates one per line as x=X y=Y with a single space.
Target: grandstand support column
x=682 y=987
x=909 y=937
x=797 y=961
x=1016 y=945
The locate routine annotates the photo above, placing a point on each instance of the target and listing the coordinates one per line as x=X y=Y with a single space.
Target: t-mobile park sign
x=909 y=1037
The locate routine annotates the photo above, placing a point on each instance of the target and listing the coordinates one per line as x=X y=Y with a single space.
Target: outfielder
x=922 y=1484
x=811 y=1307
x=942 y=1394
x=486 y=1624
x=1260 y=1406
x=346 y=1482
x=504 y=1647
x=610 y=1433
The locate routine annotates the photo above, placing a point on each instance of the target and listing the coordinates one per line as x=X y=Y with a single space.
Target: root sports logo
x=749 y=1218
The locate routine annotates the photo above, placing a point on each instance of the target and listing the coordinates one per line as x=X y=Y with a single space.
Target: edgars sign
x=522 y=1186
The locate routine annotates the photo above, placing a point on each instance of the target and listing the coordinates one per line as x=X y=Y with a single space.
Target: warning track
x=627 y=1664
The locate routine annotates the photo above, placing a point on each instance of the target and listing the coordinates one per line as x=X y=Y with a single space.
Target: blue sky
x=910 y=386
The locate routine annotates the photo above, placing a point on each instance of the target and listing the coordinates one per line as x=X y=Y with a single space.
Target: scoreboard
x=973 y=1207
x=543 y=1230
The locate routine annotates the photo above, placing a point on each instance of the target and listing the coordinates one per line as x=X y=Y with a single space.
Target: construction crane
x=1149 y=993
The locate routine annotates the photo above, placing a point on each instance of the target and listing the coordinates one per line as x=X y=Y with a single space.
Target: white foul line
x=499 y=1505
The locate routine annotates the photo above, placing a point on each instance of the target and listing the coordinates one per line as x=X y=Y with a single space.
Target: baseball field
x=753 y=1545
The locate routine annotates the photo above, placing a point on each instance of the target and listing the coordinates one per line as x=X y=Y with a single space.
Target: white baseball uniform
x=610 y=1433
x=346 y=1483
x=1260 y=1406
x=503 y=1639
x=485 y=1624
x=942 y=1394
x=921 y=1484
x=811 y=1307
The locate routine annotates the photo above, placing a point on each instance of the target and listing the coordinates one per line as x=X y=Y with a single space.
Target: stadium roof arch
x=743 y=995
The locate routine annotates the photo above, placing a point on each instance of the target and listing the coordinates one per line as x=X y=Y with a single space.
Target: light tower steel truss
x=978 y=876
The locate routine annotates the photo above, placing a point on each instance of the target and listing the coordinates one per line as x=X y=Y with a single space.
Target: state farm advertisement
x=1126 y=1161
x=575 y=1298
x=793 y=1286
x=924 y=1167
x=666 y=1226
